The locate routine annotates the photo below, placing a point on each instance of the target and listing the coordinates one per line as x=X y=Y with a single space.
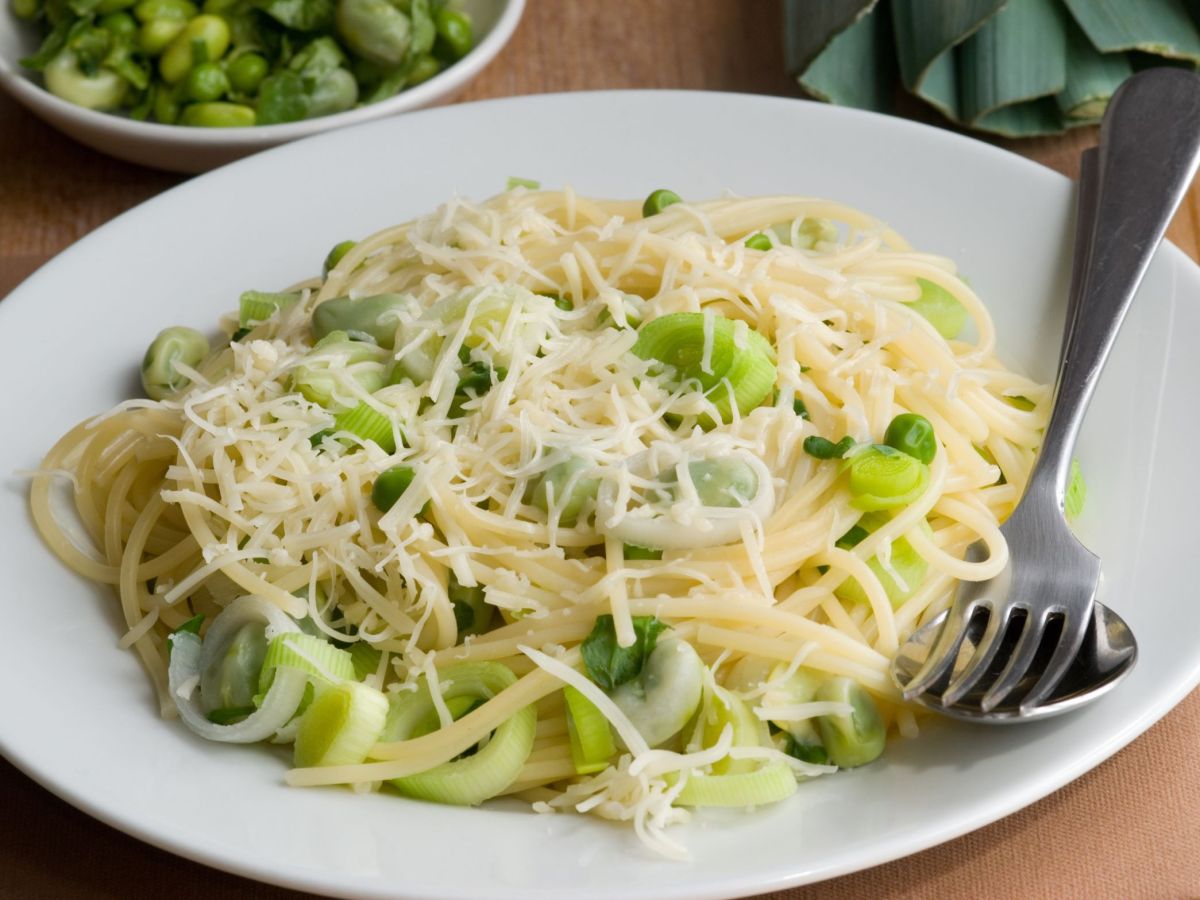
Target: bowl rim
x=23 y=88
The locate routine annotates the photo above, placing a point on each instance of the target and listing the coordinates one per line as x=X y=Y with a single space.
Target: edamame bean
x=120 y=25
x=157 y=34
x=565 y=487
x=247 y=72
x=454 y=28
x=165 y=105
x=104 y=90
x=724 y=482
x=661 y=700
x=206 y=82
x=374 y=318
x=374 y=30
x=173 y=345
x=423 y=69
x=180 y=56
x=154 y=10
x=218 y=115
x=336 y=92
x=854 y=738
x=231 y=681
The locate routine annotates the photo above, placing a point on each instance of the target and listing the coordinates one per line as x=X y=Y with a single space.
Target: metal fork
x=1149 y=150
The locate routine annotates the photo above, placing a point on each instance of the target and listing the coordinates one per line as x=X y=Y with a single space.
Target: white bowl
x=182 y=149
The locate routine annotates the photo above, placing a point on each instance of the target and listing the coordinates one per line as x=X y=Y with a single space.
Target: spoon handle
x=1149 y=150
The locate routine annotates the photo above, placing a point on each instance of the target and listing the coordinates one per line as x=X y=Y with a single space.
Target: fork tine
x=1018 y=664
x=1069 y=643
x=943 y=654
x=985 y=652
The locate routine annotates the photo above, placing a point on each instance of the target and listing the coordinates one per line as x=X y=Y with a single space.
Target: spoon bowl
x=1106 y=656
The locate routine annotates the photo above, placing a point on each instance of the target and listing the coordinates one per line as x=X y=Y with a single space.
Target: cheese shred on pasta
x=239 y=484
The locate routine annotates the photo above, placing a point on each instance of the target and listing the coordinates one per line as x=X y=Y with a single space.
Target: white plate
x=79 y=717
x=182 y=149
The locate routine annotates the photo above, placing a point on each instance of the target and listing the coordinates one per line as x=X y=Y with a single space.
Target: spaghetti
x=555 y=470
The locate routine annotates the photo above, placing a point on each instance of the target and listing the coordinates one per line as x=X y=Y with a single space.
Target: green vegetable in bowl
x=235 y=63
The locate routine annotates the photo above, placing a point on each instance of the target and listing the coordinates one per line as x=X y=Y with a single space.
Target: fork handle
x=1148 y=153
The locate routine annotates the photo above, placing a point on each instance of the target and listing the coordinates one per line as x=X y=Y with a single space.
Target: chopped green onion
x=759 y=241
x=680 y=340
x=855 y=738
x=470 y=780
x=940 y=308
x=658 y=201
x=726 y=708
x=823 y=448
x=912 y=434
x=852 y=538
x=364 y=658
x=805 y=751
x=514 y=182
x=367 y=423
x=882 y=477
x=1076 y=493
x=314 y=656
x=799 y=408
x=609 y=664
x=592 y=744
x=905 y=562
x=258 y=306
x=766 y=783
x=341 y=725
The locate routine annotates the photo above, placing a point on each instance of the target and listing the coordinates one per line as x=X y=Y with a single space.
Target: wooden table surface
x=1123 y=830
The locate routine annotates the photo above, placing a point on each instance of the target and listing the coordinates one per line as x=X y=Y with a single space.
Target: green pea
x=758 y=242
x=472 y=613
x=564 y=487
x=390 y=486
x=177 y=60
x=153 y=10
x=218 y=115
x=912 y=434
x=335 y=256
x=855 y=738
x=120 y=25
x=247 y=72
x=658 y=201
x=454 y=28
x=64 y=78
x=374 y=318
x=206 y=82
x=335 y=93
x=374 y=30
x=157 y=34
x=165 y=105
x=173 y=345
x=423 y=69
